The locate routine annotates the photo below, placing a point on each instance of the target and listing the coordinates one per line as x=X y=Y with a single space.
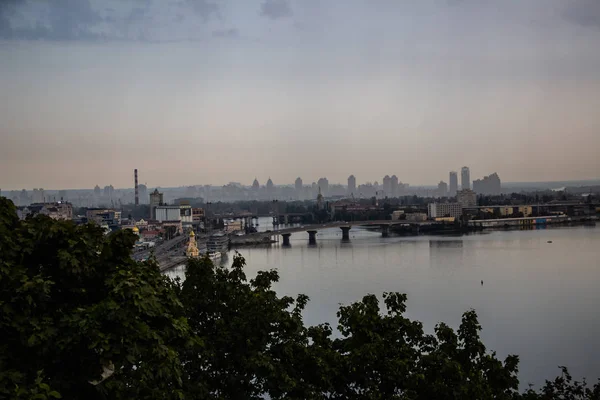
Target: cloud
x=226 y=33
x=276 y=9
x=58 y=20
x=69 y=20
x=205 y=9
x=584 y=12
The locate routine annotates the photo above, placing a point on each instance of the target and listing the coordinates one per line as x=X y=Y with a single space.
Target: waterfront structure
x=466 y=198
x=57 y=210
x=440 y=210
x=351 y=185
x=465 y=178
x=488 y=185
x=397 y=214
x=453 y=184
x=442 y=190
x=233 y=226
x=527 y=211
x=506 y=211
x=416 y=217
x=217 y=243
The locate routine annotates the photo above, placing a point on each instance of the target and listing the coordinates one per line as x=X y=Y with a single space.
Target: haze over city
x=199 y=92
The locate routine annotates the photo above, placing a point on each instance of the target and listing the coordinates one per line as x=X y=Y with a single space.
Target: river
x=538 y=300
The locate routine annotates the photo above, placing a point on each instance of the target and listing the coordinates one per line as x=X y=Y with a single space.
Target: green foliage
x=75 y=305
x=250 y=337
x=80 y=319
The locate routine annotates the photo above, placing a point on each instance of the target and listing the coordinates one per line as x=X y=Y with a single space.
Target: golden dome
x=135 y=229
x=192 y=234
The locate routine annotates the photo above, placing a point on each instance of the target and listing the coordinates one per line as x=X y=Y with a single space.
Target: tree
x=251 y=339
x=80 y=318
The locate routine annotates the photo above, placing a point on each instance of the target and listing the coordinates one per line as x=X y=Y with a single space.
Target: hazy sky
x=207 y=92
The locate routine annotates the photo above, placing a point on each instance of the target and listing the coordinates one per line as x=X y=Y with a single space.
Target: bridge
x=345 y=226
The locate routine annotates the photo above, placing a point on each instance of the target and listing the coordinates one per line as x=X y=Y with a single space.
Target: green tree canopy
x=76 y=309
x=81 y=319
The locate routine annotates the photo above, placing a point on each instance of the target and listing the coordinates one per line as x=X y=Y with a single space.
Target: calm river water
x=539 y=300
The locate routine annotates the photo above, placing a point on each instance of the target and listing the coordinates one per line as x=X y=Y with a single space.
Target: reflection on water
x=446 y=243
x=539 y=299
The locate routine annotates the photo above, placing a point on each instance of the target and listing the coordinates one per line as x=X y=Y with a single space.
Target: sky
x=212 y=91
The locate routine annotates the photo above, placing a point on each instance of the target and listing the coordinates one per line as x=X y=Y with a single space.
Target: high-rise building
x=143 y=193
x=453 y=184
x=387 y=185
x=465 y=178
x=270 y=189
x=38 y=196
x=488 y=185
x=109 y=191
x=394 y=186
x=352 y=185
x=298 y=188
x=323 y=183
x=23 y=198
x=442 y=189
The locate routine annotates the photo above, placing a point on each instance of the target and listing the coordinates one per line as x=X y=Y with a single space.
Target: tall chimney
x=137 y=197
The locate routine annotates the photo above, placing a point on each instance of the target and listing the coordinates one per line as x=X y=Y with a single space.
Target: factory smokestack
x=137 y=197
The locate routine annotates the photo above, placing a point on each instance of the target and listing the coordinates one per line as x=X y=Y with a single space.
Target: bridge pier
x=286 y=239
x=345 y=232
x=312 y=237
x=416 y=229
x=385 y=230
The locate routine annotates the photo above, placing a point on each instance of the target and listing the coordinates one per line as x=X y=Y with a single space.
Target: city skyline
x=207 y=92
x=292 y=183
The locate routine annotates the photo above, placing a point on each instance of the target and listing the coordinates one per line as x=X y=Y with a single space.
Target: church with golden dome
x=192 y=248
